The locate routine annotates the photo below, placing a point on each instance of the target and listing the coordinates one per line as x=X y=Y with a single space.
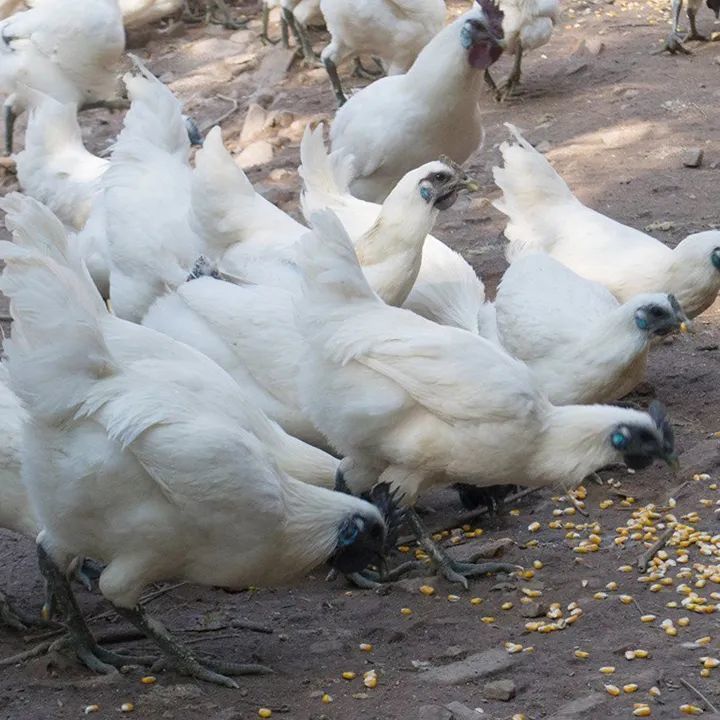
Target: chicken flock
x=200 y=387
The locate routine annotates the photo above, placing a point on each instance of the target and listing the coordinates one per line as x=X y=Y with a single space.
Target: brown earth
x=616 y=120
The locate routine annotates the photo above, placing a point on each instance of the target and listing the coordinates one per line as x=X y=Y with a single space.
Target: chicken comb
x=388 y=503
x=493 y=15
x=660 y=417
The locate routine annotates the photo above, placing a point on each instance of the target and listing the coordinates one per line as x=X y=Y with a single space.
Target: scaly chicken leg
x=300 y=37
x=513 y=79
x=451 y=570
x=335 y=81
x=79 y=637
x=694 y=34
x=265 y=35
x=181 y=657
x=9 y=127
x=674 y=42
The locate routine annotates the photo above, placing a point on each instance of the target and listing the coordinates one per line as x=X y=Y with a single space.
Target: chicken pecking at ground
x=65 y=50
x=400 y=122
x=145 y=455
x=393 y=31
x=527 y=25
x=416 y=404
x=544 y=216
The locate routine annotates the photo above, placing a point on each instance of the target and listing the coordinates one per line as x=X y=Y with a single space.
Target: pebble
x=434 y=712
x=475 y=666
x=692 y=157
x=543 y=146
x=533 y=610
x=257 y=153
x=461 y=712
x=499 y=690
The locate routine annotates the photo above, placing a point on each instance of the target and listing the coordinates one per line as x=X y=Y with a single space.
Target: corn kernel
x=405 y=611
x=370 y=679
x=626 y=599
x=607 y=669
x=703 y=640
x=582 y=654
x=537 y=564
x=705 y=673
x=534 y=526
x=519 y=716
x=710 y=662
x=475 y=601
x=671 y=630
x=349 y=675
x=691 y=710
x=630 y=688
x=612 y=586
x=625 y=568
x=648 y=618
x=488 y=619
x=365 y=647
x=427 y=590
x=148 y=680
x=513 y=648
x=265 y=712
x=403 y=549
x=600 y=596
x=613 y=690
x=605 y=504
x=642 y=654
x=642 y=711
x=127 y=707
x=506 y=606
x=91 y=709
x=453 y=598
x=515 y=512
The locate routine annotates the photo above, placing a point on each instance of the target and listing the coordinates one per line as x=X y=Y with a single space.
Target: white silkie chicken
x=527 y=25
x=394 y=31
x=249 y=328
x=544 y=216
x=146 y=455
x=137 y=13
x=249 y=232
x=55 y=167
x=67 y=50
x=400 y=122
x=146 y=198
x=582 y=345
x=416 y=404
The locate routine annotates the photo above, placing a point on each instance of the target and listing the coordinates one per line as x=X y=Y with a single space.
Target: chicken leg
x=335 y=81
x=181 y=657
x=674 y=42
x=9 y=128
x=694 y=34
x=265 y=34
x=513 y=80
x=301 y=37
x=79 y=637
x=451 y=570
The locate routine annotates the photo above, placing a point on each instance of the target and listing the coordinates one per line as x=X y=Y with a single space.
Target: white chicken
x=581 y=343
x=544 y=216
x=137 y=13
x=249 y=328
x=394 y=31
x=145 y=455
x=527 y=25
x=400 y=122
x=57 y=47
x=146 y=197
x=416 y=404
x=55 y=167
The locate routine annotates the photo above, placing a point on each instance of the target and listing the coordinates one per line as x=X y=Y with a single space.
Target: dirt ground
x=616 y=120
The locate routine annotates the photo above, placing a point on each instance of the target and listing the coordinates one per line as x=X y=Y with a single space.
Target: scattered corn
x=265 y=712
x=613 y=690
x=519 y=716
x=534 y=526
x=537 y=564
x=710 y=662
x=513 y=648
x=405 y=611
x=427 y=590
x=654 y=691
x=127 y=707
x=691 y=709
x=326 y=698
x=366 y=647
x=453 y=598
x=506 y=606
x=612 y=586
x=370 y=679
x=625 y=568
x=475 y=601
x=630 y=688
x=648 y=618
x=600 y=596
x=703 y=640
x=582 y=654
x=91 y=709
x=683 y=621
x=626 y=599
x=642 y=711
x=488 y=619
x=607 y=669
x=349 y=675
x=148 y=680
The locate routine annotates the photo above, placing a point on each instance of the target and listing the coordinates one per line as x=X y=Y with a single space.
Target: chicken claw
x=674 y=44
x=452 y=570
x=182 y=659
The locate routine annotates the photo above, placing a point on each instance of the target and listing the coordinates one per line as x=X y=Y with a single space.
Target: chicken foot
x=361 y=71
x=332 y=72
x=452 y=570
x=674 y=41
x=513 y=79
x=694 y=34
x=78 y=636
x=182 y=658
x=14 y=619
x=299 y=33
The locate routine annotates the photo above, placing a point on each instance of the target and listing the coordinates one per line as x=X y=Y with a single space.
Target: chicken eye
x=441 y=177
x=619 y=440
x=715 y=258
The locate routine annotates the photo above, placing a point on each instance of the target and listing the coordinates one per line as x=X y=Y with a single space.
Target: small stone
x=255 y=121
x=461 y=712
x=475 y=666
x=257 y=153
x=532 y=610
x=692 y=157
x=434 y=712
x=499 y=690
x=543 y=146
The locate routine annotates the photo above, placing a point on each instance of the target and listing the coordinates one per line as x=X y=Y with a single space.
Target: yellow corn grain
x=91 y=709
x=453 y=598
x=475 y=601
x=607 y=669
x=642 y=654
x=582 y=654
x=427 y=590
x=349 y=675
x=366 y=647
x=710 y=662
x=265 y=712
x=506 y=606
x=534 y=526
x=612 y=586
x=630 y=688
x=370 y=679
x=127 y=707
x=703 y=640
x=654 y=691
x=613 y=690
x=688 y=709
x=513 y=648
x=537 y=564
x=626 y=599
x=148 y=680
x=405 y=611
x=648 y=618
x=705 y=673
x=642 y=711
x=488 y=619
